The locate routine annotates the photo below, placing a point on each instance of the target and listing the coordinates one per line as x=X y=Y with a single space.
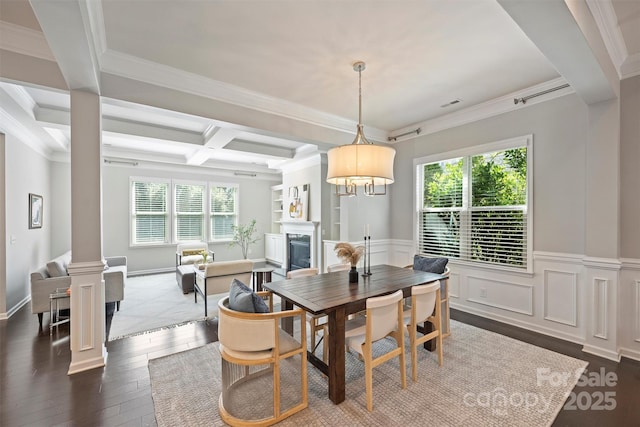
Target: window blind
x=189 y=212
x=223 y=212
x=150 y=213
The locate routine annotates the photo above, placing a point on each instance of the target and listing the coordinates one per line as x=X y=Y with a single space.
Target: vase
x=353 y=275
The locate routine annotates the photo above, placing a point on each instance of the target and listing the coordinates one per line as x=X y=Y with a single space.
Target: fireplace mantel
x=308 y=228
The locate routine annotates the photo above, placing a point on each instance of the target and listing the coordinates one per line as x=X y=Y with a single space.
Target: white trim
x=135 y=68
x=26 y=300
x=574 y=301
x=605 y=16
x=293 y=165
x=494 y=107
x=636 y=301
x=630 y=263
x=11 y=126
x=629 y=353
x=600 y=312
x=24 y=41
x=558 y=257
x=602 y=352
x=85 y=267
x=602 y=263
x=96 y=26
x=631 y=66
x=85 y=365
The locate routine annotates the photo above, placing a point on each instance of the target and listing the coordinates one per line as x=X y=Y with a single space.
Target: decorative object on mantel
x=367 y=252
x=298 y=203
x=243 y=236
x=348 y=253
x=361 y=163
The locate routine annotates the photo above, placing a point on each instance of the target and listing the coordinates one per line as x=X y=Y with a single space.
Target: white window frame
x=506 y=144
x=174 y=212
x=209 y=215
x=132 y=215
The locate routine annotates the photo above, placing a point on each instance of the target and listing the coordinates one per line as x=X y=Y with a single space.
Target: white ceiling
x=420 y=55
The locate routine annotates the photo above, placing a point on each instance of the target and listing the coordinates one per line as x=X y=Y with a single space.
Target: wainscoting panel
x=561 y=297
x=87 y=300
x=505 y=295
x=454 y=285
x=600 y=307
x=637 y=311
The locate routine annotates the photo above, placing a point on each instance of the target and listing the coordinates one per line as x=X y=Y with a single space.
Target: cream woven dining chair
x=383 y=318
x=315 y=320
x=424 y=299
x=252 y=345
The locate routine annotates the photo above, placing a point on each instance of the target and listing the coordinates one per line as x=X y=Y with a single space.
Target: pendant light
x=361 y=163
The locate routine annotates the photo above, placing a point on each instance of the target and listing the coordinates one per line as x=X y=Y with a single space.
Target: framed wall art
x=298 y=209
x=35 y=211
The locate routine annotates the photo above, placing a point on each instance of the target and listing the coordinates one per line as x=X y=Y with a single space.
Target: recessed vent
x=450 y=103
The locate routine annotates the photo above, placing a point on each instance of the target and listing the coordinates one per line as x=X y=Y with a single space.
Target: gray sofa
x=54 y=275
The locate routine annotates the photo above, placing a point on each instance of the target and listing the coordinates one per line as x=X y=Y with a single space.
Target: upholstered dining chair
x=253 y=345
x=425 y=301
x=315 y=320
x=338 y=267
x=437 y=265
x=383 y=318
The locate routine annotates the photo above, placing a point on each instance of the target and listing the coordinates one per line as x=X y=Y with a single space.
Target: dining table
x=332 y=294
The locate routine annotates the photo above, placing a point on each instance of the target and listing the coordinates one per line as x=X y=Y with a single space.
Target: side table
x=54 y=309
x=260 y=276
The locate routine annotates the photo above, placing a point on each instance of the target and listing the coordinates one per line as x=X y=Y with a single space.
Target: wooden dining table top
x=325 y=292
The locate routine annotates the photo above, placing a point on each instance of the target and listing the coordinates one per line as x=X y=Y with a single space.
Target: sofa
x=54 y=275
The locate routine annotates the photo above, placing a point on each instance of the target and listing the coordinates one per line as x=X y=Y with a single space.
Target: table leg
x=287 y=322
x=427 y=329
x=336 y=356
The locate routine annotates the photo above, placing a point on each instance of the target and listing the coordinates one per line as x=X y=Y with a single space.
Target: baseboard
x=519 y=324
x=630 y=353
x=154 y=271
x=85 y=365
x=3 y=316
x=16 y=307
x=601 y=352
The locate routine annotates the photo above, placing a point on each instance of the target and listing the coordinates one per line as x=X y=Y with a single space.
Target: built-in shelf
x=278 y=211
x=277 y=208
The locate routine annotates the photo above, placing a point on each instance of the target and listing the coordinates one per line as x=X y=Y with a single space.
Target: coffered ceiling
x=290 y=59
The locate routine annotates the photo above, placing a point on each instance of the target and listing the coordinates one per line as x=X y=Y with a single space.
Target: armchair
x=216 y=278
x=191 y=253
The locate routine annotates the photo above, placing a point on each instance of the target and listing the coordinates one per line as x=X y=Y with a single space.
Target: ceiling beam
x=66 y=27
x=554 y=27
x=263 y=150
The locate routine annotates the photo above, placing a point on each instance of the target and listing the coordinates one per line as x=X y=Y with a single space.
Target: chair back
x=382 y=314
x=338 y=267
x=424 y=299
x=302 y=272
x=245 y=332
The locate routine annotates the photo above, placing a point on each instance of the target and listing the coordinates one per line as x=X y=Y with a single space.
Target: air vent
x=450 y=103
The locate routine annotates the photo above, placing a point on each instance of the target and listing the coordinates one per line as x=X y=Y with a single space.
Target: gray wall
x=630 y=168
x=27 y=249
x=254 y=203
x=559 y=129
x=60 y=208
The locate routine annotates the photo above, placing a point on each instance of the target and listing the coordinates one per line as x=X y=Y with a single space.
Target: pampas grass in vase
x=348 y=253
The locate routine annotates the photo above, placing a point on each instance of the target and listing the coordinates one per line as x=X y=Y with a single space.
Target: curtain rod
x=525 y=98
x=395 y=138
x=121 y=162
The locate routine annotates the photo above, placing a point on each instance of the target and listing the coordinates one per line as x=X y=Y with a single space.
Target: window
x=474 y=207
x=189 y=212
x=223 y=210
x=150 y=213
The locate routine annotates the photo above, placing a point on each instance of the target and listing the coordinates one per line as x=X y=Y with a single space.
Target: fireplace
x=301 y=244
x=299 y=251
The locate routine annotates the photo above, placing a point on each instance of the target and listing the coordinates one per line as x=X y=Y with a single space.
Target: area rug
x=486 y=380
x=154 y=302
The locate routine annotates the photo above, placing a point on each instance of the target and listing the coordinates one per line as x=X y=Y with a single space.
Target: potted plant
x=243 y=236
x=348 y=253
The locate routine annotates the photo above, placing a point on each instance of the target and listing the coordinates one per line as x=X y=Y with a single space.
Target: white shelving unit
x=277 y=203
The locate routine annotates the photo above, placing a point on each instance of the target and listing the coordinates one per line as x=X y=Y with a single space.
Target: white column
x=3 y=234
x=87 y=286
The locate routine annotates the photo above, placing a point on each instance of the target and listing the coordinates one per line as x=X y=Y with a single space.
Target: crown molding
x=631 y=66
x=24 y=41
x=93 y=13
x=494 y=107
x=135 y=68
x=13 y=127
x=607 y=22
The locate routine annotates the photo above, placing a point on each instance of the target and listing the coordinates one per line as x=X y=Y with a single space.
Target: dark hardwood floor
x=35 y=389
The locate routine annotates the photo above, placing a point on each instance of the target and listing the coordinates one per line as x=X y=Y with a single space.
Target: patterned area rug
x=487 y=380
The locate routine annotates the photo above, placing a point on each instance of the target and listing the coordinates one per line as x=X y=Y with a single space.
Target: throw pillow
x=56 y=269
x=430 y=265
x=241 y=298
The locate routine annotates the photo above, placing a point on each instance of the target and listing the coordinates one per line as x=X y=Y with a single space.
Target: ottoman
x=185 y=276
